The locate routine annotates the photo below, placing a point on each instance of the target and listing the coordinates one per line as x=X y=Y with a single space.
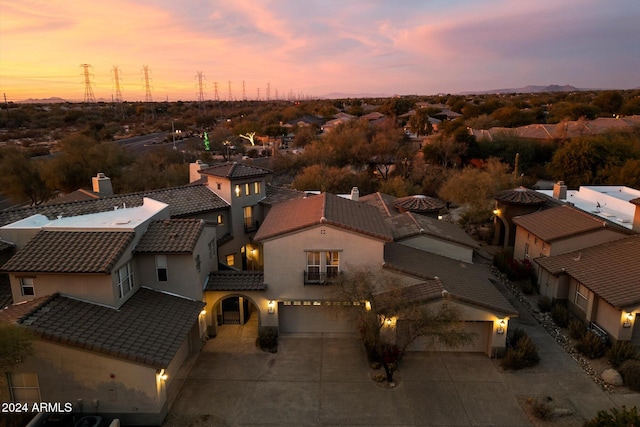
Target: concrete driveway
x=323 y=380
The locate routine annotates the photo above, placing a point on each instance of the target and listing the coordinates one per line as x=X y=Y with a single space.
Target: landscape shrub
x=523 y=355
x=541 y=408
x=514 y=336
x=560 y=315
x=577 y=329
x=615 y=417
x=268 y=339
x=630 y=371
x=591 y=345
x=622 y=351
x=544 y=304
x=501 y=259
x=527 y=287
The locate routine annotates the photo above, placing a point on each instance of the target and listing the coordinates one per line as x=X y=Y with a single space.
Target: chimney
x=560 y=190
x=194 y=169
x=355 y=194
x=102 y=184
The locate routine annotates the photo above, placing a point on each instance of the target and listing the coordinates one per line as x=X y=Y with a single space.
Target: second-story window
x=161 y=268
x=238 y=191
x=125 y=280
x=256 y=187
x=333 y=264
x=247 y=189
x=26 y=286
x=249 y=223
x=313 y=266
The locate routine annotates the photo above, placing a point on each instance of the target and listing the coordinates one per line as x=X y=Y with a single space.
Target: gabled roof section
x=70 y=252
x=611 y=270
x=408 y=225
x=327 y=209
x=469 y=283
x=182 y=201
x=149 y=328
x=171 y=236
x=563 y=222
x=235 y=170
x=278 y=194
x=423 y=292
x=229 y=280
x=384 y=203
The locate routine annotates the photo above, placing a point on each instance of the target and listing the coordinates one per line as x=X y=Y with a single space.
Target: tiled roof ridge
x=408 y=271
x=602 y=222
x=414 y=220
x=40 y=302
x=384 y=205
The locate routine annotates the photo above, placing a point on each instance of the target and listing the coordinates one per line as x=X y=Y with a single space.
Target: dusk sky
x=314 y=47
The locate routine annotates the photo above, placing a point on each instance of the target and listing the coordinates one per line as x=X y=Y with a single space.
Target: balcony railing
x=320 y=278
x=250 y=225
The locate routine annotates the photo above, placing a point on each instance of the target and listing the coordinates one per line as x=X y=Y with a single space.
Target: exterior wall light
x=162 y=375
x=496 y=212
x=271 y=306
x=203 y=312
x=628 y=320
x=367 y=305
x=389 y=321
x=501 y=325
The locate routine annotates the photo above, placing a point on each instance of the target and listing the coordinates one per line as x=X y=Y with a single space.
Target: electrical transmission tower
x=118 y=100
x=200 y=78
x=258 y=94
x=88 y=90
x=215 y=89
x=269 y=91
x=230 y=95
x=148 y=99
x=244 y=92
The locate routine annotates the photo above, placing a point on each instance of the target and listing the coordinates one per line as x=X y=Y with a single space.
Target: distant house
x=599 y=284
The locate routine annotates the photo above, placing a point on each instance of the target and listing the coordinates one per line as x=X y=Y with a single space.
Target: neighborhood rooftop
x=185 y=200
x=409 y=224
x=593 y=268
x=325 y=208
x=70 y=252
x=154 y=325
x=235 y=171
x=170 y=236
x=231 y=280
x=466 y=282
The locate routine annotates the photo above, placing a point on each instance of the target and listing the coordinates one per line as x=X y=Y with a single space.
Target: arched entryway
x=237 y=312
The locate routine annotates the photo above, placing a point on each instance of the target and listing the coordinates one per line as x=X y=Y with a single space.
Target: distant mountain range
x=528 y=89
x=52 y=100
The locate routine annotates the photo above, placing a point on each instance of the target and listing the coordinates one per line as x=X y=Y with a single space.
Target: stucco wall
x=91 y=287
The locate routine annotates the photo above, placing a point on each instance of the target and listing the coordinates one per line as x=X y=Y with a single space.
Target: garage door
x=315 y=318
x=480 y=343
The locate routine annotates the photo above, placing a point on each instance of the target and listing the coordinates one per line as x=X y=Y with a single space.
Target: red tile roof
x=70 y=252
x=327 y=209
x=470 y=283
x=235 y=171
x=562 y=222
x=277 y=194
x=149 y=328
x=611 y=270
x=13 y=313
x=173 y=236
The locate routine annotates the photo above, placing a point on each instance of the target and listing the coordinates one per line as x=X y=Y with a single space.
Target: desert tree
x=389 y=319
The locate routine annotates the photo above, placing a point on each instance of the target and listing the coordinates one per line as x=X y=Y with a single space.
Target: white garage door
x=480 y=343
x=315 y=318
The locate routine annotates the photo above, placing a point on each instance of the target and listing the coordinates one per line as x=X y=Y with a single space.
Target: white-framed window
x=26 y=286
x=582 y=297
x=24 y=387
x=333 y=263
x=161 y=268
x=125 y=280
x=313 y=266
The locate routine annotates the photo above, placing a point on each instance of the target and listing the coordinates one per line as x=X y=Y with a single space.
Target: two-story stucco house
x=115 y=300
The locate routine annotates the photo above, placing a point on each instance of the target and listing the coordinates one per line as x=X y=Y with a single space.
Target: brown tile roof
x=611 y=270
x=172 y=236
x=74 y=196
x=465 y=282
x=419 y=204
x=408 y=225
x=149 y=328
x=6 y=246
x=235 y=171
x=562 y=222
x=183 y=201
x=327 y=209
x=429 y=290
x=384 y=203
x=229 y=280
x=13 y=313
x=521 y=196
x=70 y=252
x=277 y=194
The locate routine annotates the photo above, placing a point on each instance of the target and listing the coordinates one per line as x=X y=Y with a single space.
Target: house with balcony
x=599 y=284
x=115 y=300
